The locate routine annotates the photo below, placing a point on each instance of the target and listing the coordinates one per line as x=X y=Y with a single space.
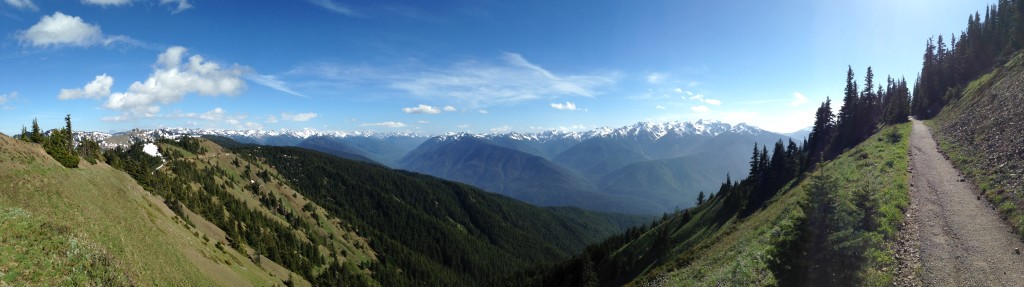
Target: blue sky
x=428 y=67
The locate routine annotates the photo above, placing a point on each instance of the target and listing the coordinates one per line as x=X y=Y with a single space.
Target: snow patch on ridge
x=152 y=150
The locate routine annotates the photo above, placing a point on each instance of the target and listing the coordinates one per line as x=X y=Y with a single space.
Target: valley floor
x=952 y=236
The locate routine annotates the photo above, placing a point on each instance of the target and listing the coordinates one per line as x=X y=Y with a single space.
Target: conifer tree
x=37 y=135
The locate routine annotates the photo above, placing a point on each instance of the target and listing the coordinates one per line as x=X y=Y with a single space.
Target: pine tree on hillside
x=821 y=133
x=755 y=163
x=37 y=135
x=847 y=120
x=68 y=134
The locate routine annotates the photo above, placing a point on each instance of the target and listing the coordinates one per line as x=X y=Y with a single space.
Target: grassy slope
x=465 y=228
x=98 y=212
x=741 y=252
x=351 y=246
x=980 y=133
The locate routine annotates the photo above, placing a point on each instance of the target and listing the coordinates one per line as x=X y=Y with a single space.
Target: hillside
x=530 y=178
x=987 y=146
x=808 y=233
x=428 y=230
x=96 y=225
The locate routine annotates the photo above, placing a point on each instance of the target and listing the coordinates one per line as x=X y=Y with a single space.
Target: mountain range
x=643 y=168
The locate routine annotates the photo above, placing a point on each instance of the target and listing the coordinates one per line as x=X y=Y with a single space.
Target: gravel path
x=952 y=236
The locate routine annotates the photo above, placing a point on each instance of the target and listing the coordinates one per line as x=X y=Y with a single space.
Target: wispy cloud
x=476 y=84
x=23 y=4
x=177 y=5
x=61 y=29
x=449 y=108
x=703 y=100
x=501 y=129
x=567 y=106
x=272 y=82
x=107 y=2
x=4 y=98
x=385 y=125
x=300 y=117
x=335 y=7
x=660 y=107
x=798 y=99
x=422 y=109
x=656 y=78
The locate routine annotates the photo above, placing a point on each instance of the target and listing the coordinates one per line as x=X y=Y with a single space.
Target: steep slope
x=245 y=205
x=95 y=225
x=434 y=231
x=837 y=223
x=980 y=133
x=479 y=162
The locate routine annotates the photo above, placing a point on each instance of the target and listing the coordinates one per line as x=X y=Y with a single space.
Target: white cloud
x=98 y=88
x=422 y=122
x=216 y=117
x=463 y=126
x=501 y=129
x=678 y=90
x=385 y=125
x=107 y=2
x=702 y=99
x=449 y=108
x=271 y=82
x=4 y=98
x=271 y=119
x=23 y=4
x=700 y=109
x=182 y=5
x=798 y=99
x=300 y=117
x=172 y=79
x=482 y=111
x=61 y=29
x=476 y=84
x=422 y=109
x=660 y=107
x=568 y=106
x=656 y=78
x=334 y=7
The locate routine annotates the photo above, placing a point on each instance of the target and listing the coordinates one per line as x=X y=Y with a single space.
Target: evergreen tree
x=821 y=133
x=37 y=134
x=68 y=134
x=755 y=163
x=847 y=120
x=700 y=198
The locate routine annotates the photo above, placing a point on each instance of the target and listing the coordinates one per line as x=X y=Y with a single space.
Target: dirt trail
x=952 y=237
